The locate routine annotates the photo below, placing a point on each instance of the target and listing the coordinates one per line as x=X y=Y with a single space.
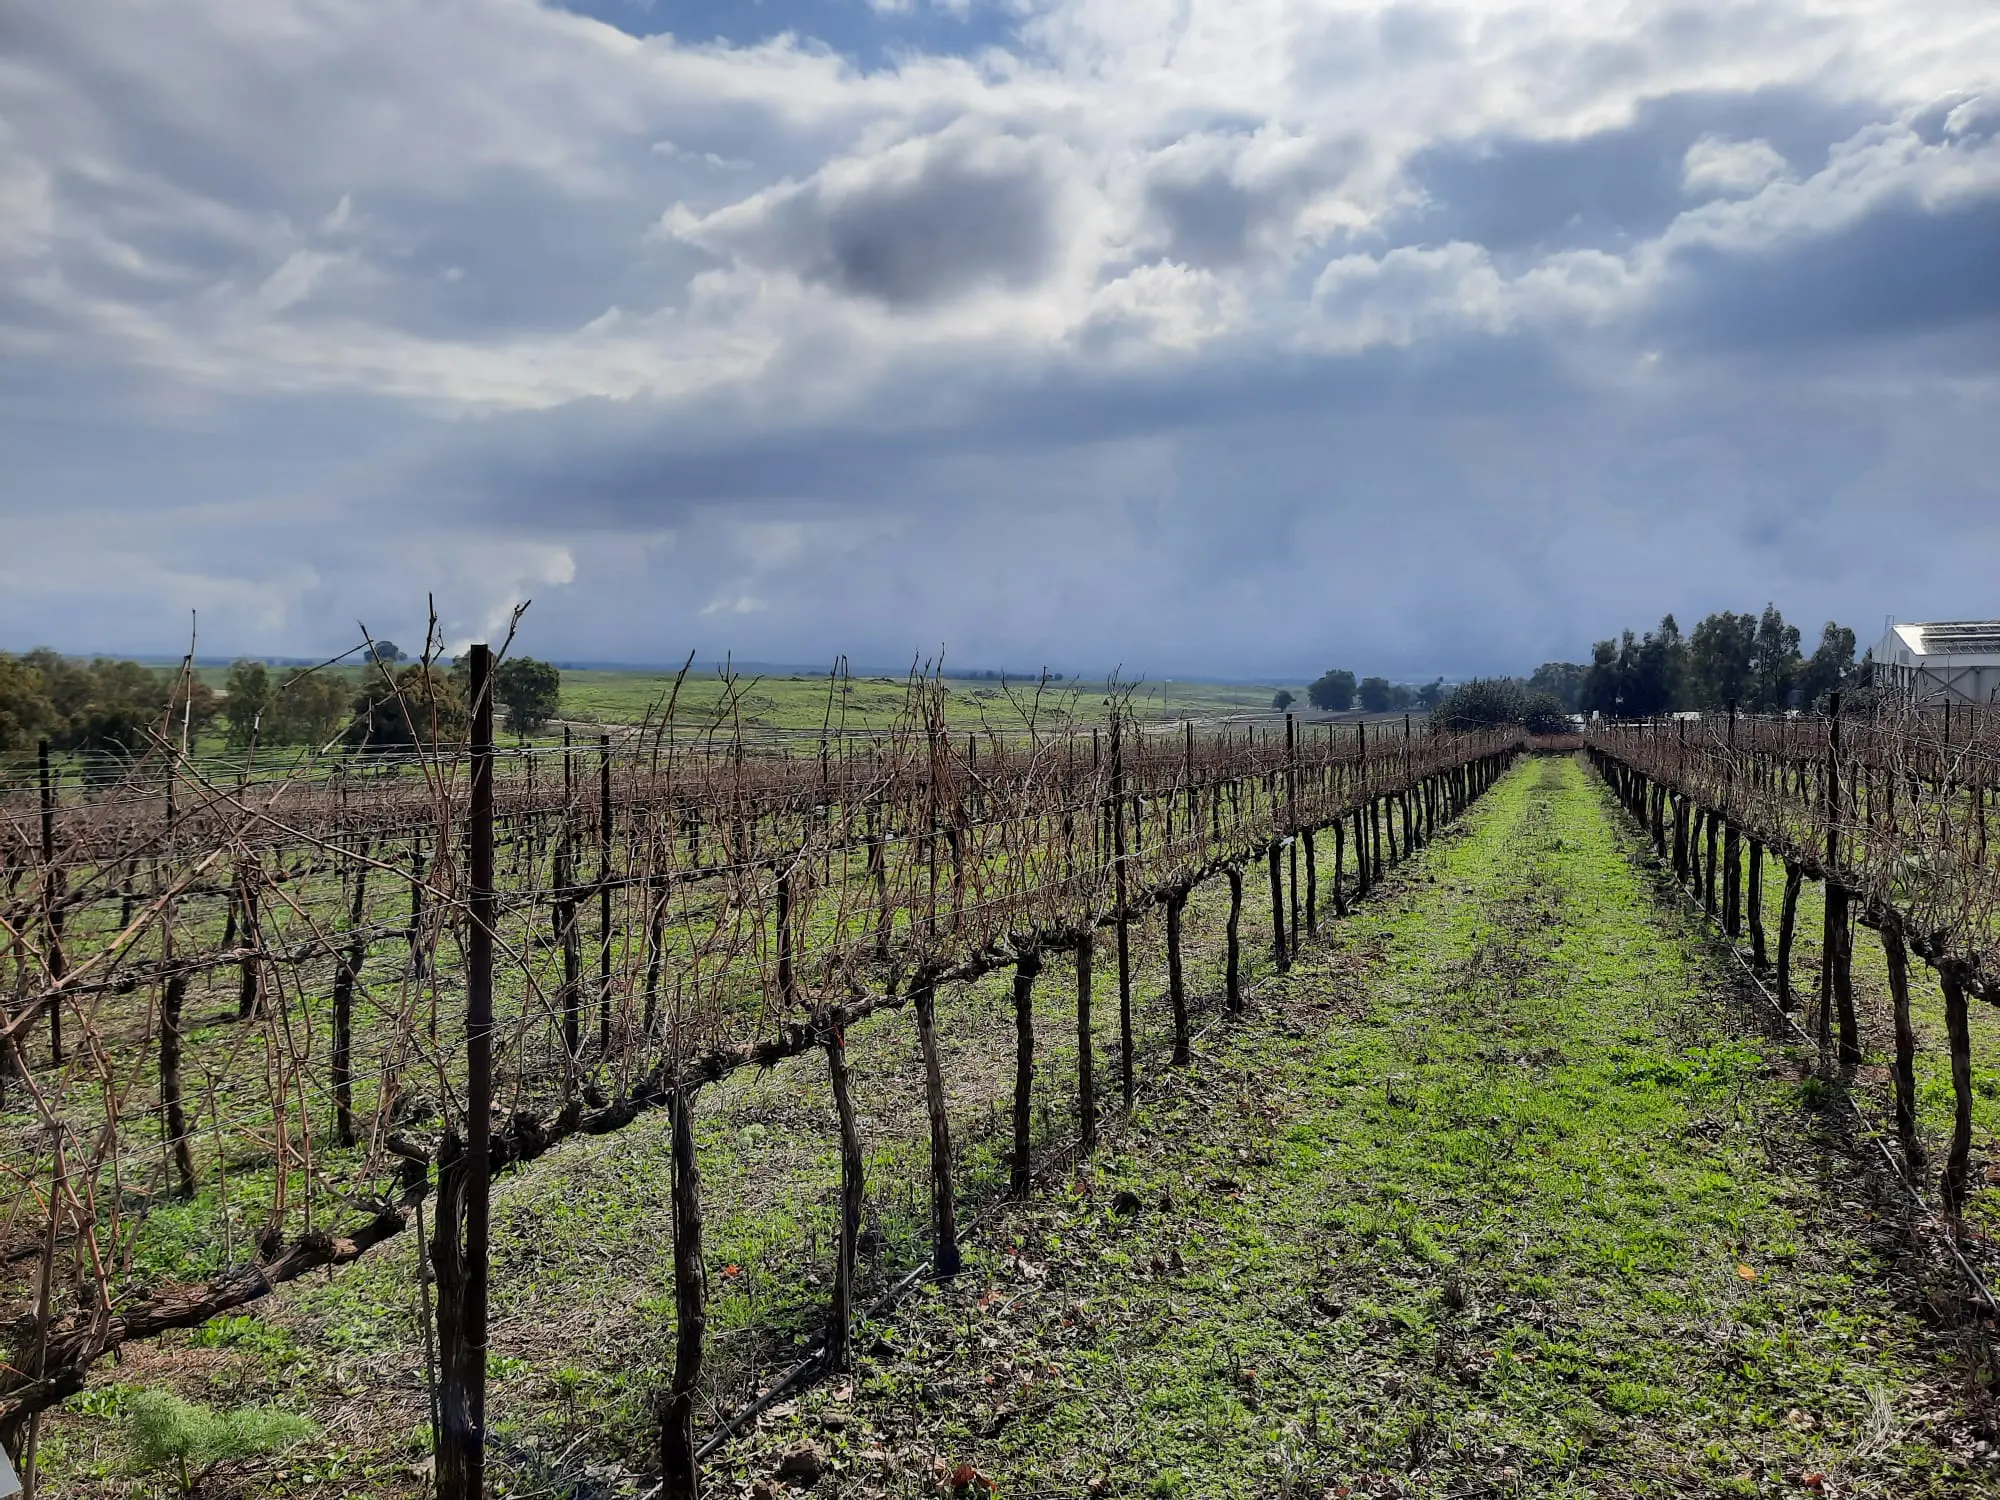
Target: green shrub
x=1501 y=700
x=190 y=1439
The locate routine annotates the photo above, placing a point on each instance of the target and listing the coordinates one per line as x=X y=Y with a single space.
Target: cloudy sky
x=1224 y=336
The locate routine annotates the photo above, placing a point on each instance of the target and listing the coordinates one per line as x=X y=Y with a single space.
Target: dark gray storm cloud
x=928 y=221
x=1218 y=199
x=1521 y=195
x=1901 y=273
x=1424 y=339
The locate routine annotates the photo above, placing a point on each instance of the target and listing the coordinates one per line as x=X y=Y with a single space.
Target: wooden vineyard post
x=173 y=1002
x=944 y=1213
x=604 y=894
x=1840 y=971
x=1292 y=824
x=788 y=990
x=1292 y=856
x=1837 y=943
x=1788 y=922
x=1339 y=861
x=1405 y=797
x=1176 y=983
x=1732 y=881
x=340 y=1056
x=52 y=917
x=1026 y=967
x=1896 y=953
x=1732 y=841
x=1215 y=784
x=656 y=942
x=1280 y=951
x=878 y=869
x=1128 y=1079
x=680 y=1475
x=417 y=877
x=1312 y=887
x=1192 y=815
x=563 y=913
x=1680 y=839
x=1959 y=1036
x=1823 y=990
x=1709 y=872
x=1086 y=1061
x=173 y=1005
x=250 y=987
x=1232 y=986
x=840 y=1319
x=459 y=1251
x=340 y=1063
x=1364 y=866
x=1758 y=955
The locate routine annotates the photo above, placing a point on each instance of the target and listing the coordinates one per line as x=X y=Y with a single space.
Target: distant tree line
x=1337 y=691
x=101 y=705
x=118 y=707
x=421 y=705
x=305 y=709
x=1753 y=661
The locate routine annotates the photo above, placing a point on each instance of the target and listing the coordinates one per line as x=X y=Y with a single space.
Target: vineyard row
x=748 y=908
x=1890 y=814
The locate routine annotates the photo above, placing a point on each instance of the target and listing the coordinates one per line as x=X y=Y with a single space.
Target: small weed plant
x=189 y=1441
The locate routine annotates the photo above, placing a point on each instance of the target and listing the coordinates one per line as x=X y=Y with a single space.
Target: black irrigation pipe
x=810 y=1364
x=1916 y=1193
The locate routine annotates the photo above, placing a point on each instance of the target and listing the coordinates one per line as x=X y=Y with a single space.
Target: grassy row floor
x=1507 y=1194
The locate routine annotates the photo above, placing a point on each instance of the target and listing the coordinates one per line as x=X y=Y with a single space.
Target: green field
x=802 y=703
x=806 y=702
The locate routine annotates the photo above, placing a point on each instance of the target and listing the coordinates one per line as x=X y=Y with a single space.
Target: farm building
x=1952 y=661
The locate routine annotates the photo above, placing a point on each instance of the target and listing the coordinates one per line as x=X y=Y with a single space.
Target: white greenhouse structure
x=1951 y=661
